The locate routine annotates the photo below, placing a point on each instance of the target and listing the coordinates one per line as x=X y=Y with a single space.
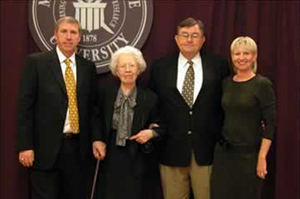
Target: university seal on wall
x=107 y=25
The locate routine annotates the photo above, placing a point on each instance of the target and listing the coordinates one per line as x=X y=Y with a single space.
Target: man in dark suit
x=55 y=110
x=189 y=86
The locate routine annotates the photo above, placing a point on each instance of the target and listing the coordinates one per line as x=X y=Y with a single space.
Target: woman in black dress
x=249 y=105
x=127 y=112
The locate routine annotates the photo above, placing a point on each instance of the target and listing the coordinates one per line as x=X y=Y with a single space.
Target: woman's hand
x=143 y=136
x=261 y=169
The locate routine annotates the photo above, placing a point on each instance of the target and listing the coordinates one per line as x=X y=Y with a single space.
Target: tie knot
x=67 y=62
x=190 y=62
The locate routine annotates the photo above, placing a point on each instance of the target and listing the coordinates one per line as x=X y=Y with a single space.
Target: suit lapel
x=139 y=116
x=205 y=66
x=172 y=79
x=54 y=65
x=79 y=74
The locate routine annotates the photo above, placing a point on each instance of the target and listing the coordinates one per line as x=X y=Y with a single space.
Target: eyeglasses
x=127 y=66
x=192 y=36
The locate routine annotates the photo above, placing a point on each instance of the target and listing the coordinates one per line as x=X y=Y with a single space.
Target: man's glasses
x=192 y=36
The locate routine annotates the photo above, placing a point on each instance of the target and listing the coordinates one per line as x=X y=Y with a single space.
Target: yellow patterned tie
x=72 y=97
x=188 y=85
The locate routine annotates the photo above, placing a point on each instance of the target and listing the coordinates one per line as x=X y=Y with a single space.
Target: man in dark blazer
x=194 y=120
x=50 y=143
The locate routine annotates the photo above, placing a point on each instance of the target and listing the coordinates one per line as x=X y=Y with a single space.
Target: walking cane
x=95 y=179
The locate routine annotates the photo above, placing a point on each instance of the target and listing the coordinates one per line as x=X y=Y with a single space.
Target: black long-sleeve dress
x=124 y=171
x=247 y=105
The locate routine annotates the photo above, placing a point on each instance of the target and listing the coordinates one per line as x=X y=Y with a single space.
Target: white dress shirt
x=62 y=58
x=198 y=71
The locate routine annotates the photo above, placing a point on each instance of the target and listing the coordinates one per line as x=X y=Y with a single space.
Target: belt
x=70 y=135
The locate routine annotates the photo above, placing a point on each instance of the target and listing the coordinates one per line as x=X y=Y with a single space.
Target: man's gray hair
x=69 y=20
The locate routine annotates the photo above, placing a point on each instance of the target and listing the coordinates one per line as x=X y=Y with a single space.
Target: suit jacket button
x=189 y=132
x=191 y=112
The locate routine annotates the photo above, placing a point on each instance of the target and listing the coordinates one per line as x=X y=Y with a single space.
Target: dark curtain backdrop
x=274 y=25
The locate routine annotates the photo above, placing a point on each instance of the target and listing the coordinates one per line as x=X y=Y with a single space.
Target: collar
x=131 y=98
x=182 y=61
x=62 y=57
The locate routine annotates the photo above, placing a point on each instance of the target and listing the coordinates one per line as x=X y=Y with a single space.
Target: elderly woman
x=127 y=111
x=249 y=104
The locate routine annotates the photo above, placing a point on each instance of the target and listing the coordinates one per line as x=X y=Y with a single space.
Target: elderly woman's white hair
x=136 y=54
x=246 y=42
